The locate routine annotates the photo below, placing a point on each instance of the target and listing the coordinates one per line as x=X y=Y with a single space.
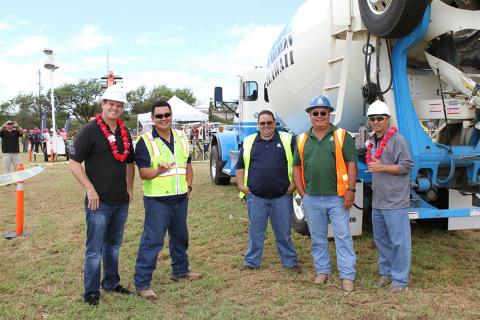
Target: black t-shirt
x=10 y=141
x=268 y=171
x=107 y=175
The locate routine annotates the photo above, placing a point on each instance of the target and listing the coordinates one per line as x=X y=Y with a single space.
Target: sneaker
x=121 y=290
x=296 y=268
x=246 y=268
x=393 y=289
x=148 y=294
x=348 y=285
x=384 y=281
x=321 y=278
x=92 y=299
x=191 y=276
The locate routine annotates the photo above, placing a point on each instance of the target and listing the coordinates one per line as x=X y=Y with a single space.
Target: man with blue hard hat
x=325 y=174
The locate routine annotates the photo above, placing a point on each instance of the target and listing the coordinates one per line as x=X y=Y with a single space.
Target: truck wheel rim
x=214 y=169
x=297 y=208
x=379 y=7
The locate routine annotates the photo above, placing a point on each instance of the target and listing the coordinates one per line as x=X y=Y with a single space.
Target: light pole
x=50 y=65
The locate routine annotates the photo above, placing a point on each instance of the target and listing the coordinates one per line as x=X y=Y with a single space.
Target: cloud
x=5 y=26
x=10 y=22
x=200 y=69
x=26 y=47
x=90 y=38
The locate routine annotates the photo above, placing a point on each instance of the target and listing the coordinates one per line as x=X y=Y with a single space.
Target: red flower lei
x=111 y=138
x=381 y=147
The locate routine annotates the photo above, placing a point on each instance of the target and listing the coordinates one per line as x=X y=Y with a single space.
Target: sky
x=194 y=44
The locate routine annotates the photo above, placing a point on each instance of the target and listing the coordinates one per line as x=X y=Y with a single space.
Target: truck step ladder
x=339 y=32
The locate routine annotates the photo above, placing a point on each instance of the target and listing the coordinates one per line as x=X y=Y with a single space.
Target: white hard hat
x=378 y=107
x=115 y=93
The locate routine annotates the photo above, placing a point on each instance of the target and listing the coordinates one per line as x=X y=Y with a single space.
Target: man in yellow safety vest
x=164 y=165
x=264 y=175
x=325 y=174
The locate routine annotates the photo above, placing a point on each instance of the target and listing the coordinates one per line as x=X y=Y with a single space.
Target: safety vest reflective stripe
x=285 y=138
x=174 y=171
x=183 y=140
x=340 y=167
x=302 y=138
x=342 y=176
x=153 y=144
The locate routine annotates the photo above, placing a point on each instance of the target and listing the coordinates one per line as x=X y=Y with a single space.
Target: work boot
x=393 y=289
x=191 y=276
x=92 y=299
x=321 y=278
x=384 y=281
x=296 y=268
x=246 y=268
x=121 y=290
x=148 y=294
x=347 y=285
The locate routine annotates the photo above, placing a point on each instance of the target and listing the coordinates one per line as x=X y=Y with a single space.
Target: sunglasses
x=266 y=123
x=376 y=119
x=163 y=115
x=319 y=113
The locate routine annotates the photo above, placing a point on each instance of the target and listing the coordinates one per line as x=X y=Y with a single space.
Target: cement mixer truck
x=421 y=57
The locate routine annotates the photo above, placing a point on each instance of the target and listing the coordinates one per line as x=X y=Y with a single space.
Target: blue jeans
x=104 y=238
x=318 y=211
x=279 y=209
x=160 y=217
x=391 y=232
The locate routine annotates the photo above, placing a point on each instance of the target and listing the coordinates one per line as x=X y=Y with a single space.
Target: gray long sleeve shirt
x=392 y=191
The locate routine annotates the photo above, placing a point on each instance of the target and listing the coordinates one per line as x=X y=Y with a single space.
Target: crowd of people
x=15 y=139
x=320 y=165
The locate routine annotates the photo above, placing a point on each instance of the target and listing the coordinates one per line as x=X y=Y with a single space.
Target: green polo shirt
x=319 y=162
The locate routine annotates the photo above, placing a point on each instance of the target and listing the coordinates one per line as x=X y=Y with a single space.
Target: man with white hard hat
x=106 y=147
x=389 y=161
x=325 y=174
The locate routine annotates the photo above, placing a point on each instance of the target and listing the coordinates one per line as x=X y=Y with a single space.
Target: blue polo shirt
x=268 y=171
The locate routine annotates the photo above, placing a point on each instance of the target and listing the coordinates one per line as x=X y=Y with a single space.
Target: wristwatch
x=190 y=188
x=352 y=190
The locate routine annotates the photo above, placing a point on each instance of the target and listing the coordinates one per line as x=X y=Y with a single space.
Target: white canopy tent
x=181 y=111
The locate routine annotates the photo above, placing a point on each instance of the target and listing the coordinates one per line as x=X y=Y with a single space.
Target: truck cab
x=225 y=145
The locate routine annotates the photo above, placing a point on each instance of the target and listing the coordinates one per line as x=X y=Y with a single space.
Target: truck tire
x=299 y=223
x=391 y=18
x=216 y=164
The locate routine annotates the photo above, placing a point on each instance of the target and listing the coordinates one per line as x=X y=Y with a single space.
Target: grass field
x=41 y=274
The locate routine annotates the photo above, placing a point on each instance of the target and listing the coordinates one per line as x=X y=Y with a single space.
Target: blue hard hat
x=318 y=102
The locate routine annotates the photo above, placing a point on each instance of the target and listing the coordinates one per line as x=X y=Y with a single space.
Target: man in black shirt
x=10 y=132
x=264 y=175
x=106 y=147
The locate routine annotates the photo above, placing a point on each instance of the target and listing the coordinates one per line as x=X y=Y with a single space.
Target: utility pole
x=38 y=100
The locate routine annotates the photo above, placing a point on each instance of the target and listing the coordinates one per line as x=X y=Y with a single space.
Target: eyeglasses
x=321 y=113
x=376 y=119
x=163 y=115
x=266 y=123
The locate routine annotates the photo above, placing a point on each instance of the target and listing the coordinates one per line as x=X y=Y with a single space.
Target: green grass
x=41 y=274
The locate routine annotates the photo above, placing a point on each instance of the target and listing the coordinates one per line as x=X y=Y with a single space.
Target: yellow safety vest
x=174 y=181
x=286 y=139
x=341 y=168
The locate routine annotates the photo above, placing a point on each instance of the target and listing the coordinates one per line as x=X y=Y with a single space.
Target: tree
x=142 y=101
x=27 y=109
x=137 y=99
x=80 y=100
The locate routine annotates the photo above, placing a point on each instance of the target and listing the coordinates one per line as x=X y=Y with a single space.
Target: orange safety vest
x=341 y=168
